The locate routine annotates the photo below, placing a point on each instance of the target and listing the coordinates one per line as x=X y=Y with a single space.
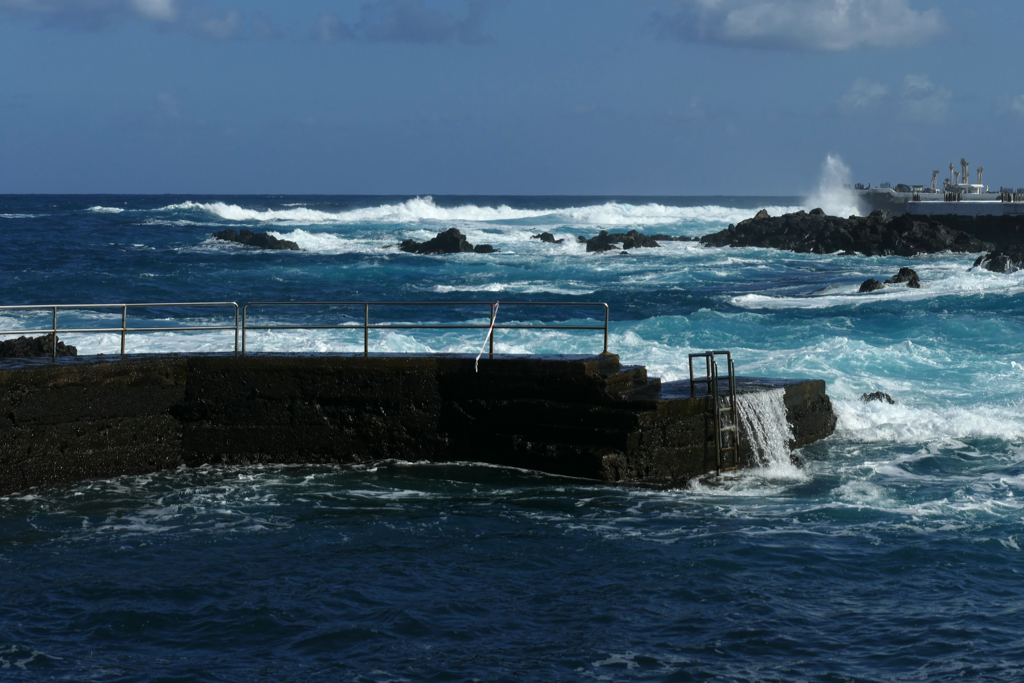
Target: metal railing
x=124 y=329
x=366 y=325
x=243 y=326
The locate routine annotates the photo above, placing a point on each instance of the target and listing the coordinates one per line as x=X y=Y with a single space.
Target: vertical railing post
x=124 y=327
x=493 y=312
x=366 y=330
x=606 y=331
x=54 y=333
x=245 y=308
x=236 y=329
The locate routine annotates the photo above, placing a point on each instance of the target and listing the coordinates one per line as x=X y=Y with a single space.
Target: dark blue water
x=895 y=554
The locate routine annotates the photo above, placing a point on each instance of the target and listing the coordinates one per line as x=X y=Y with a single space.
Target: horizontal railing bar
x=73 y=306
x=417 y=303
x=87 y=330
x=410 y=327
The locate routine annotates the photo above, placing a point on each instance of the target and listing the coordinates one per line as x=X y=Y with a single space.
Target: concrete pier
x=584 y=416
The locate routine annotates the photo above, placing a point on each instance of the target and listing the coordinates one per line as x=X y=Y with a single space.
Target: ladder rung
x=727 y=448
x=731 y=428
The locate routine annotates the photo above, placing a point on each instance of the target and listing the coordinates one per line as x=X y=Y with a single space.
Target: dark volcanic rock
x=879 y=396
x=606 y=241
x=871 y=286
x=451 y=241
x=1005 y=260
x=35 y=347
x=670 y=238
x=546 y=237
x=256 y=239
x=874 y=235
x=908 y=275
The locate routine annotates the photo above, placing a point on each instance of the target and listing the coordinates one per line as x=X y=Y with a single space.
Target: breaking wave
x=420 y=209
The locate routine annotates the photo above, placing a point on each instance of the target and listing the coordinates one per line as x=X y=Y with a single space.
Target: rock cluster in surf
x=877 y=234
x=35 y=347
x=450 y=241
x=1006 y=259
x=906 y=276
x=614 y=241
x=260 y=240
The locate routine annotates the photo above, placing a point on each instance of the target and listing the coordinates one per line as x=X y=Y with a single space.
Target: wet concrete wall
x=580 y=416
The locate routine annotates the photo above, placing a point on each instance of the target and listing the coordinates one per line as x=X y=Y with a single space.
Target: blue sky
x=643 y=97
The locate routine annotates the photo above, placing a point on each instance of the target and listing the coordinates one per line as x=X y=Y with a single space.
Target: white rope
x=494 y=316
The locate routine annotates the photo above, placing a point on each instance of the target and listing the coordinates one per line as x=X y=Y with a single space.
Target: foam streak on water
x=893 y=554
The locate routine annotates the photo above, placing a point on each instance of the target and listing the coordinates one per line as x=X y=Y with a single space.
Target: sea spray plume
x=833 y=195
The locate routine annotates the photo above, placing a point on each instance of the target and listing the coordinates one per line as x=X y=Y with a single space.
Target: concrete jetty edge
x=584 y=416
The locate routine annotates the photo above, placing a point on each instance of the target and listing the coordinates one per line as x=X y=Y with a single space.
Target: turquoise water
x=893 y=555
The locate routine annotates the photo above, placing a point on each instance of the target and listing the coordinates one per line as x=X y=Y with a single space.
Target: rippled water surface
x=895 y=554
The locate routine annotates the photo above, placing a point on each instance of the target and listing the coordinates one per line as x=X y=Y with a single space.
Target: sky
x=556 y=97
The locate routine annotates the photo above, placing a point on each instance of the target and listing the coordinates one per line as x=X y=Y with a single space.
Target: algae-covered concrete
x=590 y=417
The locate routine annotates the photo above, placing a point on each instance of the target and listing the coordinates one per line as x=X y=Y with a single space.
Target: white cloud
x=922 y=101
x=1017 y=105
x=222 y=28
x=812 y=25
x=408 y=21
x=91 y=14
x=157 y=10
x=863 y=94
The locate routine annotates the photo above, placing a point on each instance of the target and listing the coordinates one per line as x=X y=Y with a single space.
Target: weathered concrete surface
x=581 y=416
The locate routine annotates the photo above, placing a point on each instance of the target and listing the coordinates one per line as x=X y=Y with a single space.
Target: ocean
x=894 y=554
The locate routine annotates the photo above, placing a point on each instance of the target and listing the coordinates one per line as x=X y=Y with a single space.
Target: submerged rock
x=450 y=241
x=35 y=347
x=879 y=396
x=260 y=240
x=1008 y=259
x=874 y=235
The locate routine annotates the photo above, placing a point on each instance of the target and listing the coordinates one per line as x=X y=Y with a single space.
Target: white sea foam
x=568 y=288
x=106 y=209
x=19 y=215
x=421 y=209
x=951 y=278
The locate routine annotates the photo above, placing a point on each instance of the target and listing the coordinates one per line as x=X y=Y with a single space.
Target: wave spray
x=833 y=195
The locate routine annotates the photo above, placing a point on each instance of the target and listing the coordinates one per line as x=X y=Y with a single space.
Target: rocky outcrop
x=879 y=396
x=871 y=285
x=906 y=276
x=451 y=241
x=606 y=241
x=260 y=240
x=873 y=235
x=547 y=238
x=1005 y=260
x=35 y=347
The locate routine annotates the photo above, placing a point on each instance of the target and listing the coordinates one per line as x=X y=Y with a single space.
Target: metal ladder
x=726 y=417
